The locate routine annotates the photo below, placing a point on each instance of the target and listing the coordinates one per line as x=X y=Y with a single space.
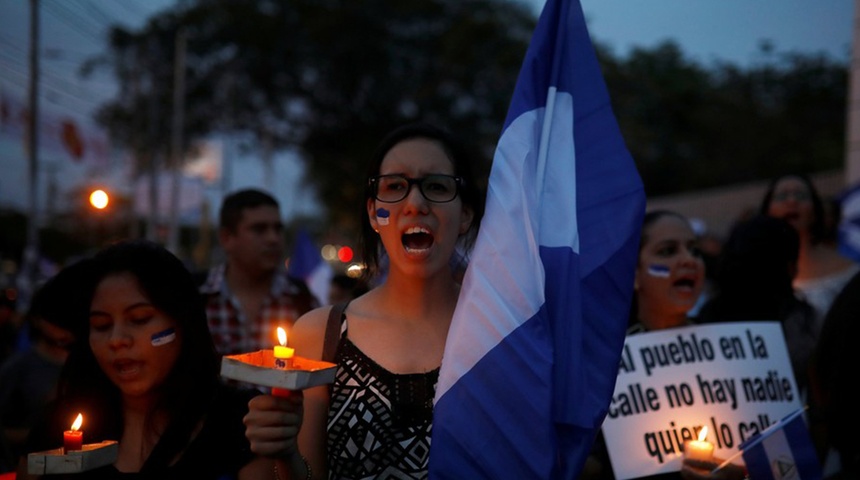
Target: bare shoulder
x=308 y=333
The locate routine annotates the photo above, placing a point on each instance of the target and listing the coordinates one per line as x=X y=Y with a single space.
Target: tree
x=329 y=77
x=689 y=127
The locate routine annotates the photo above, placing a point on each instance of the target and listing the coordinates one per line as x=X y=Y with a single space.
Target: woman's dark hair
x=464 y=162
x=817 y=230
x=755 y=272
x=648 y=220
x=61 y=294
x=169 y=286
x=651 y=218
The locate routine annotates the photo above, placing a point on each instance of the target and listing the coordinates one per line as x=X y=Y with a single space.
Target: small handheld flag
x=782 y=451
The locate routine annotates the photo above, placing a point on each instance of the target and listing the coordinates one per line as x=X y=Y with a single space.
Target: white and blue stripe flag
x=783 y=451
x=849 y=226
x=534 y=346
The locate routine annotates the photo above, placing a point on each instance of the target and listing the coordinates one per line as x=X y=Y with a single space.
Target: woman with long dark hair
x=144 y=372
x=421 y=205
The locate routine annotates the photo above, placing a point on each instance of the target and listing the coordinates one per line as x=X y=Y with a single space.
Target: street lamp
x=99 y=199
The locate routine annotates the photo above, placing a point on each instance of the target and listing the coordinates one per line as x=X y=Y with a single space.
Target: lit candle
x=701 y=449
x=283 y=359
x=283 y=353
x=74 y=439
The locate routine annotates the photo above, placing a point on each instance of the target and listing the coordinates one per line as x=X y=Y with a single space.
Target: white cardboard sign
x=733 y=377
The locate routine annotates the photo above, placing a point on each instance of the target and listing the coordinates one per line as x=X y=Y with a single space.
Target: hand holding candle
x=700 y=449
x=283 y=353
x=74 y=439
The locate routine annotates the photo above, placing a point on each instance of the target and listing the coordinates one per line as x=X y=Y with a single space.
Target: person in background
x=250 y=295
x=670 y=273
x=9 y=322
x=28 y=380
x=421 y=200
x=821 y=270
x=144 y=372
x=669 y=278
x=833 y=413
x=345 y=288
x=754 y=282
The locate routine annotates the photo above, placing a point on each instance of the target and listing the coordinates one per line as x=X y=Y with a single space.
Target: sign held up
x=734 y=377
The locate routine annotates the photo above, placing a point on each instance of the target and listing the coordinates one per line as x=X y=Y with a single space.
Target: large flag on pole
x=535 y=343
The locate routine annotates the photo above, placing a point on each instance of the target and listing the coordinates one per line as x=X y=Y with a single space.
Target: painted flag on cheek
x=534 y=346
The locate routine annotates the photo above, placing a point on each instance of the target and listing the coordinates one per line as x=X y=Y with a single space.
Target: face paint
x=382 y=216
x=163 y=337
x=659 y=271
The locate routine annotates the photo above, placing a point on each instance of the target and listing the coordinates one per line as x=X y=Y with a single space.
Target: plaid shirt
x=232 y=332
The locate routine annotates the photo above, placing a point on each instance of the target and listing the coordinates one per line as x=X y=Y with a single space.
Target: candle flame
x=282 y=337
x=703 y=434
x=77 y=424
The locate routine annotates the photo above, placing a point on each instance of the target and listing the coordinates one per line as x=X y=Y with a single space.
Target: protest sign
x=733 y=377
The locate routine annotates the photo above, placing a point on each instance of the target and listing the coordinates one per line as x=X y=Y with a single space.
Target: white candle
x=700 y=449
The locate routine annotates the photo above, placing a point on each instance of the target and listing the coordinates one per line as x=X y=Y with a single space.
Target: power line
x=95 y=11
x=16 y=65
x=55 y=85
x=69 y=19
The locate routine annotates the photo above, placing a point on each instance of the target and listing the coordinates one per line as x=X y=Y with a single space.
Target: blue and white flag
x=306 y=263
x=849 y=226
x=783 y=451
x=535 y=343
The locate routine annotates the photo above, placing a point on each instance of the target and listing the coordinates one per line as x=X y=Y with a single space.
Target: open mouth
x=417 y=239
x=126 y=368
x=688 y=283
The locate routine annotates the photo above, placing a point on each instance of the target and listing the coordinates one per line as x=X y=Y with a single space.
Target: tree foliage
x=689 y=127
x=330 y=77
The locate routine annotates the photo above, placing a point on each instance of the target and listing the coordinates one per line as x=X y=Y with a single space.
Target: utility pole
x=176 y=146
x=31 y=249
x=153 y=144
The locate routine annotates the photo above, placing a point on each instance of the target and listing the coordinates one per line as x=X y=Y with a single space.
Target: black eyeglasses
x=437 y=188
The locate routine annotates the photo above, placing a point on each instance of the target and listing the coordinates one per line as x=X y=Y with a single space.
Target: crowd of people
x=132 y=340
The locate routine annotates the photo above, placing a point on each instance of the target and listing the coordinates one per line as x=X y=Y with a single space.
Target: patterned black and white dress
x=379 y=422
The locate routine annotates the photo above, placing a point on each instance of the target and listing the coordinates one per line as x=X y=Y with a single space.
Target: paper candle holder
x=89 y=457
x=259 y=368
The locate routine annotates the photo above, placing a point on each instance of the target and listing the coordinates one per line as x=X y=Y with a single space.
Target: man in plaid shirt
x=250 y=295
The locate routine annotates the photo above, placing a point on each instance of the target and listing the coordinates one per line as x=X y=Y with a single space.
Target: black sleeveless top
x=379 y=422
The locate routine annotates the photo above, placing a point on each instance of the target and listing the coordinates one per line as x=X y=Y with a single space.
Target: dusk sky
x=706 y=30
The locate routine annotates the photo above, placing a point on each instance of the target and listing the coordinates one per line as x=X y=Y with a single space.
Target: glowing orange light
x=282 y=338
x=77 y=423
x=99 y=199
